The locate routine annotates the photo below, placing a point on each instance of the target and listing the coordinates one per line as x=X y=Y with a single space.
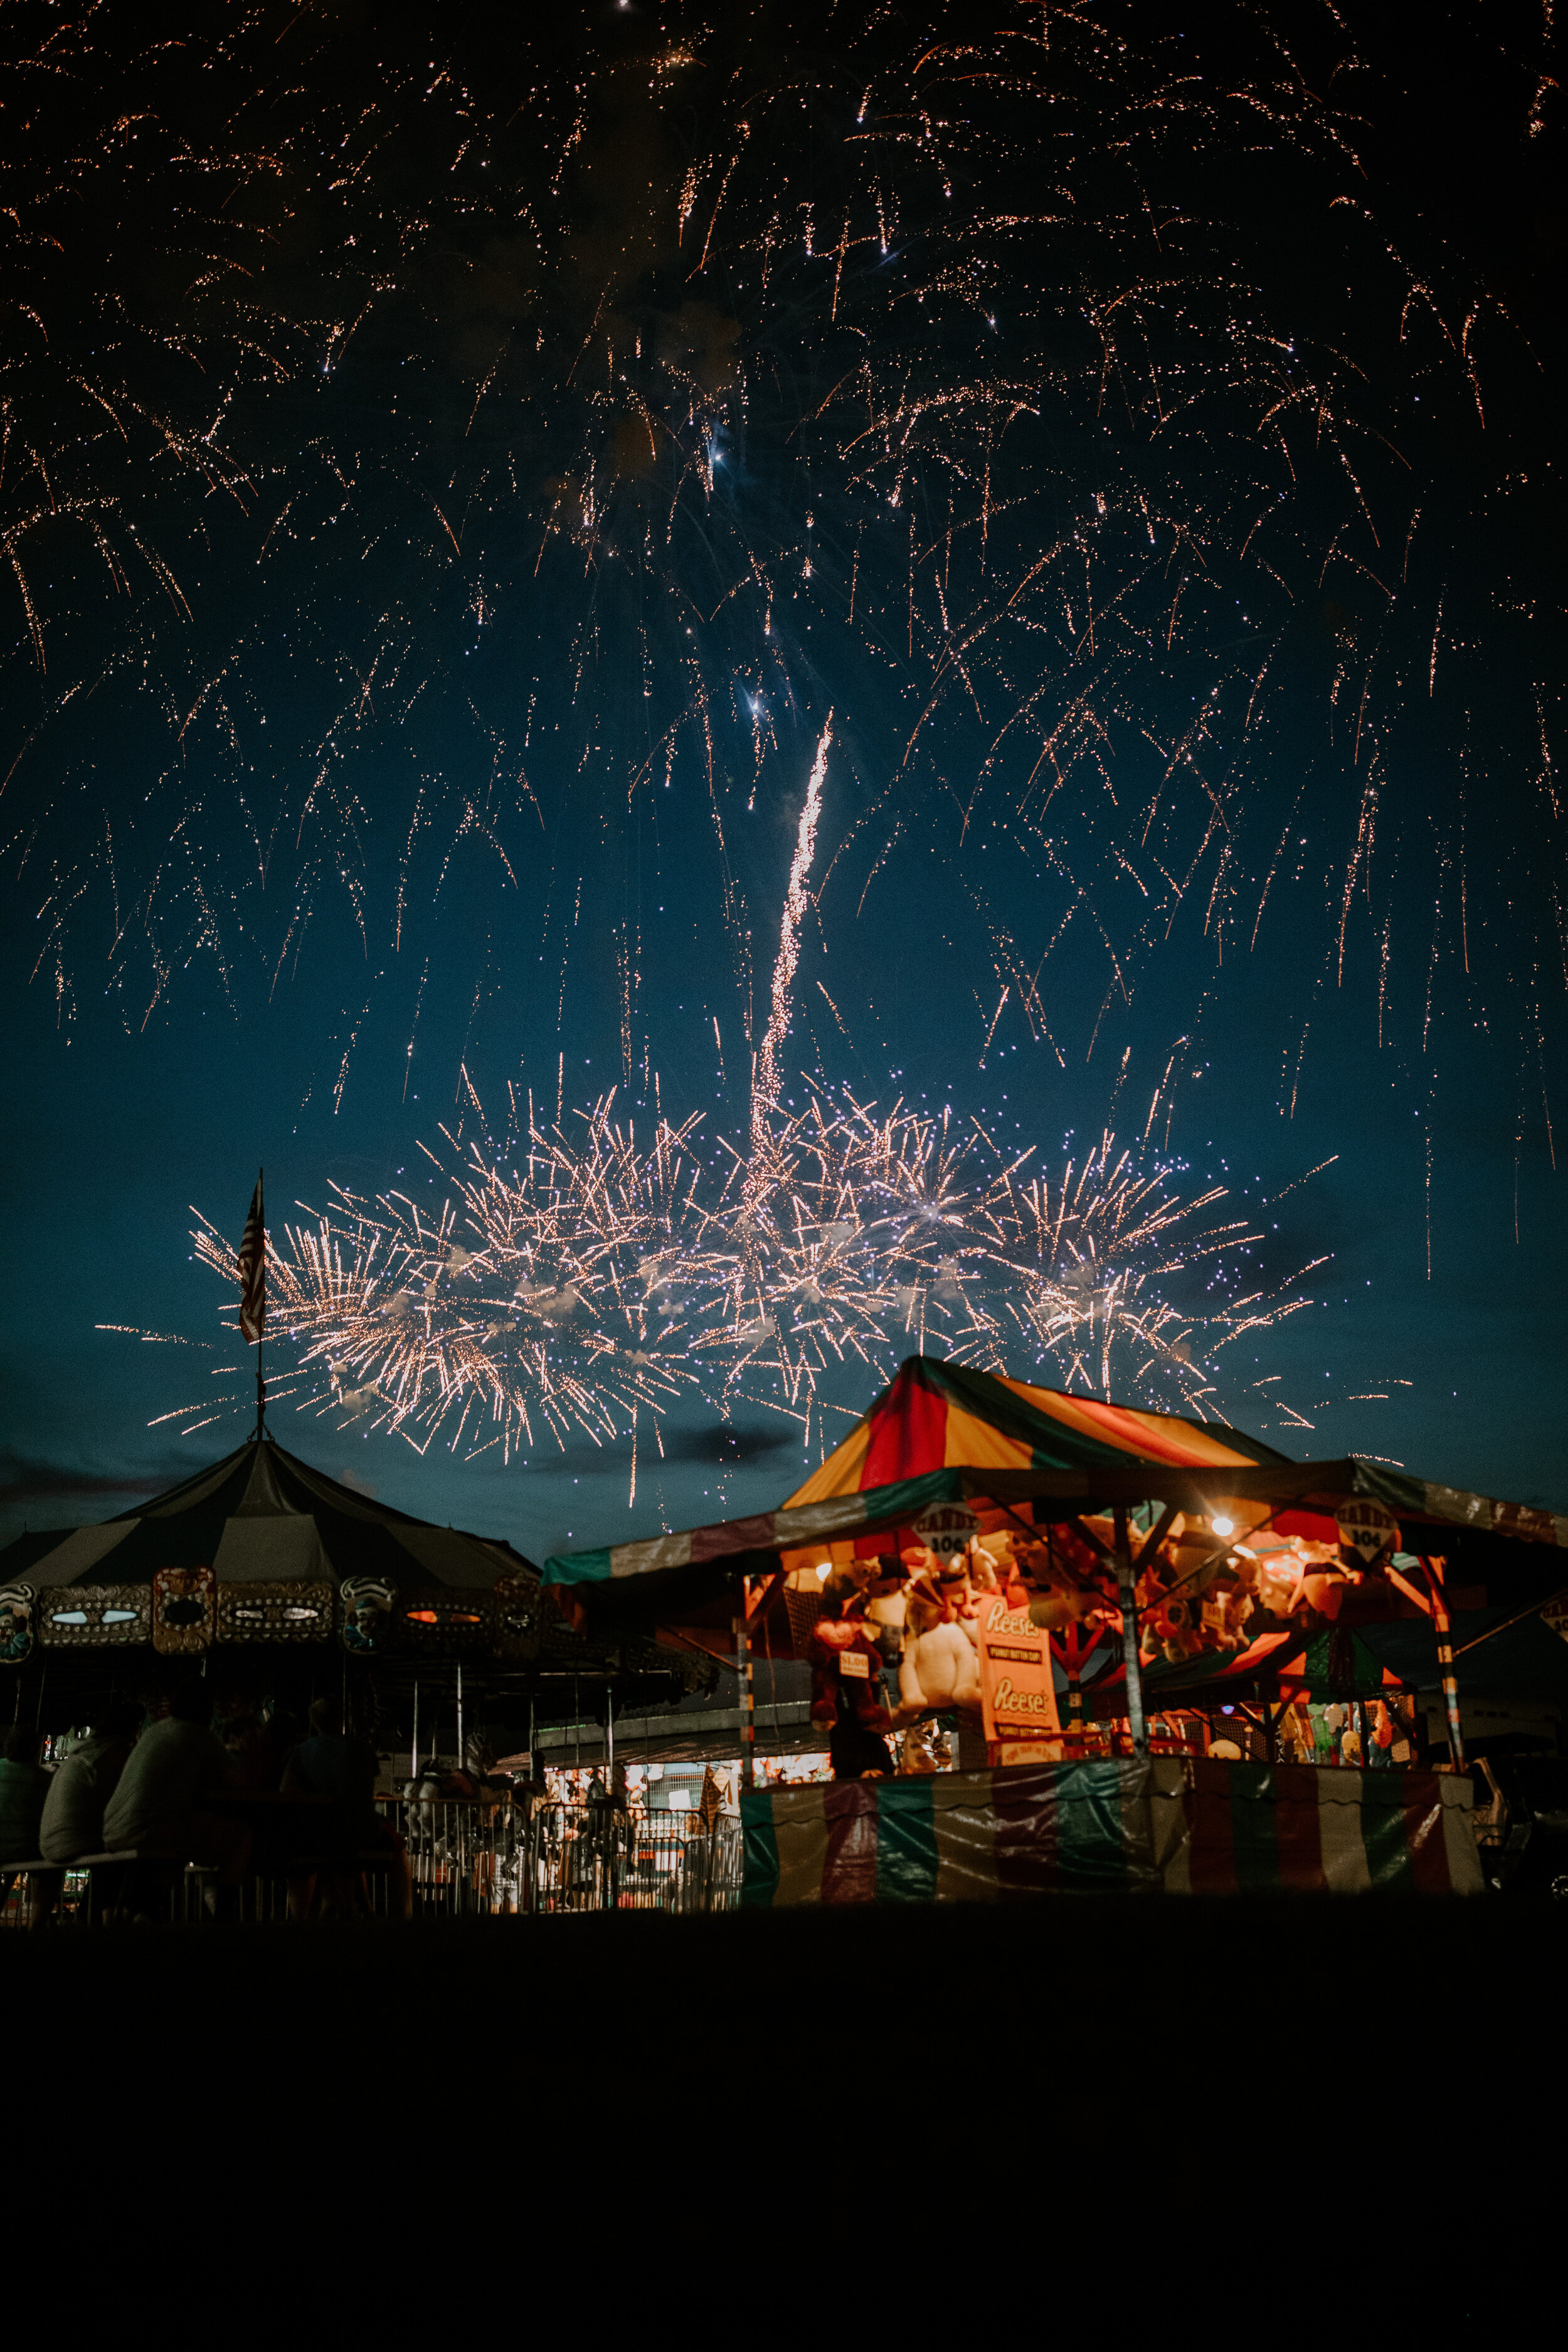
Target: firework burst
x=373 y=390
x=588 y=1287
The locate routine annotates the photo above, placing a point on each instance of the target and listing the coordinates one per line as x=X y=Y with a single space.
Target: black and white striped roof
x=261 y=1514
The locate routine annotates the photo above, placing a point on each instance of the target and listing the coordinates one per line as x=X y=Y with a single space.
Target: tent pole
x=1444 y=1630
x=748 y=1698
x=1127 y=1595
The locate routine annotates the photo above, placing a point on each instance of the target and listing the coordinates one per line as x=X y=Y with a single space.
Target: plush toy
x=1240 y=1605
x=845 y=1692
x=991 y=1563
x=924 y=1747
x=940 y=1668
x=1171 y=1627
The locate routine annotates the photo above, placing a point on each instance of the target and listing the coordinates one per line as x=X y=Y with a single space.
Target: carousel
x=278 y=1584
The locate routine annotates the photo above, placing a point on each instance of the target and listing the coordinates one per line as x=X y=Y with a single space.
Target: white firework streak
x=768 y=1082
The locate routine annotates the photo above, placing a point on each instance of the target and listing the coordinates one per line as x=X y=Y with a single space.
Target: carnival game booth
x=1105 y=1598
x=278 y=1584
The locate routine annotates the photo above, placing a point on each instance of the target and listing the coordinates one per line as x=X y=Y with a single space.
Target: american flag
x=251 y=1268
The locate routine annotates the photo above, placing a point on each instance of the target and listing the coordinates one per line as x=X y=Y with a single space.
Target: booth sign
x=1018 y=1687
x=1367 y=1527
x=948 y=1529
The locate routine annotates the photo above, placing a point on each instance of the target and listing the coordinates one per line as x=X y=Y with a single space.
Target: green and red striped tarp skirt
x=1228 y=1829
x=1174 y=1825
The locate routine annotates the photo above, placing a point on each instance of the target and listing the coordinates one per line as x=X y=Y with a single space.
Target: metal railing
x=470 y=1855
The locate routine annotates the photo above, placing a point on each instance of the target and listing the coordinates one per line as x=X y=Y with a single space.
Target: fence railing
x=466 y=1854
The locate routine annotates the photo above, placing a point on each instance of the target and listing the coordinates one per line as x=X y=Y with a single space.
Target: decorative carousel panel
x=365 y=1619
x=94 y=1616
x=183 y=1608
x=17 y=1605
x=517 y=1624
x=274 y=1612
x=442 y=1625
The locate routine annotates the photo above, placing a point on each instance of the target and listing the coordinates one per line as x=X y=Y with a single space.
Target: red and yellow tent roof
x=942 y=1416
x=939 y=1433
x=944 y=1433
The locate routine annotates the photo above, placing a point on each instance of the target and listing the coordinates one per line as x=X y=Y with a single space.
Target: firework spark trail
x=769 y=1082
x=581 y=1285
x=1042 y=429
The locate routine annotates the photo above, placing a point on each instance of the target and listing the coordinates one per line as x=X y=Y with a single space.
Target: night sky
x=451 y=482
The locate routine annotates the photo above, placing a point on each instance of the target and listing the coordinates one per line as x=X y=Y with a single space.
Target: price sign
x=947 y=1529
x=1367 y=1527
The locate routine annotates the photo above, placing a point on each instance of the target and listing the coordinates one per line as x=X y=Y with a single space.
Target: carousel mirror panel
x=17 y=1606
x=183 y=1610
x=274 y=1612
x=96 y=1616
x=516 y=1621
x=442 y=1625
x=365 y=1621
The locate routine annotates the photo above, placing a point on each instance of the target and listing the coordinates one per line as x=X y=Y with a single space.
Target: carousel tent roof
x=944 y=1433
x=260 y=1515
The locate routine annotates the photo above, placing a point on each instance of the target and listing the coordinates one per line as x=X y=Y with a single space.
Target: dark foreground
x=1106 y=2010
x=621 y=2119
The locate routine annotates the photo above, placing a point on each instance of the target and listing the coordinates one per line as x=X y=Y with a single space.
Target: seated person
x=335 y=1763
x=330 y=1762
x=81 y=1786
x=260 y=1740
x=24 y=1785
x=158 y=1799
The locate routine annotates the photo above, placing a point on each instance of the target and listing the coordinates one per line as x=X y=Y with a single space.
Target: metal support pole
x=748 y=1703
x=1126 y=1595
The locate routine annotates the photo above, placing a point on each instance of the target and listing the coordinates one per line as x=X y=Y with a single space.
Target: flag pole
x=260 y=1383
x=251 y=1268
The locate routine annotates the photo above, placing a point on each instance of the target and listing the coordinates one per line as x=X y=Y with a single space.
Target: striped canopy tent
x=1014 y=1442
x=944 y=1433
x=939 y=1433
x=260 y=1516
